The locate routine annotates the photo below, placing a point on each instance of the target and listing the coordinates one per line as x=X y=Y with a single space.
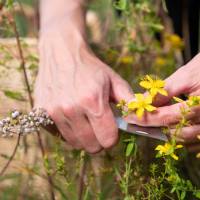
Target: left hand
x=185 y=80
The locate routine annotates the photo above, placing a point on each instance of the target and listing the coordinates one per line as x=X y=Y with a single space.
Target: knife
x=150 y=132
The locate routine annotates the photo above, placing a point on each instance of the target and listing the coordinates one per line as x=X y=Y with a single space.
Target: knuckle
x=169 y=118
x=53 y=111
x=90 y=98
x=68 y=110
x=166 y=120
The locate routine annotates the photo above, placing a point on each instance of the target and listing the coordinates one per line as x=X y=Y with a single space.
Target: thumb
x=120 y=89
x=175 y=85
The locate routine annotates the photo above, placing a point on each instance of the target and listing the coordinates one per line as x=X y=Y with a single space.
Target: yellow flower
x=154 y=86
x=168 y=149
x=175 y=41
x=127 y=60
x=140 y=104
x=160 y=61
x=121 y=104
x=193 y=101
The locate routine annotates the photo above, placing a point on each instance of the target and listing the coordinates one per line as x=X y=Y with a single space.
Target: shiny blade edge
x=151 y=132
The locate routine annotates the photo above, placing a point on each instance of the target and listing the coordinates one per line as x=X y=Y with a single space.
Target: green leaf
x=14 y=95
x=183 y=194
x=121 y=4
x=197 y=194
x=129 y=149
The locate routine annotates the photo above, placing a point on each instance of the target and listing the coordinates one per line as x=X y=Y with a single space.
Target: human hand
x=75 y=88
x=185 y=80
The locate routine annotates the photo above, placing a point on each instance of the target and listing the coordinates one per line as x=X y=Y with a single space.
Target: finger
x=104 y=127
x=188 y=134
x=67 y=133
x=84 y=132
x=163 y=116
x=64 y=127
x=174 y=86
x=193 y=116
x=120 y=89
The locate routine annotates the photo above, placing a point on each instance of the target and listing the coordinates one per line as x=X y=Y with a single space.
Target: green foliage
x=131 y=147
x=8 y=3
x=14 y=95
x=121 y=4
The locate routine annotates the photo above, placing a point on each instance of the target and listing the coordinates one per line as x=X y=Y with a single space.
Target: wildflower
x=175 y=41
x=121 y=104
x=140 y=104
x=154 y=86
x=168 y=149
x=193 y=101
x=127 y=60
x=160 y=61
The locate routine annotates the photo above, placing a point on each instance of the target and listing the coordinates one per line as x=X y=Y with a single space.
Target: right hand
x=75 y=88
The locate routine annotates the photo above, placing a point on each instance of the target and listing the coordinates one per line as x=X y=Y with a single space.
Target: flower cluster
x=22 y=124
x=193 y=101
x=142 y=103
x=168 y=149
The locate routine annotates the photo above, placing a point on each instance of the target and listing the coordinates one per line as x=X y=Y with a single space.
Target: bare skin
x=73 y=85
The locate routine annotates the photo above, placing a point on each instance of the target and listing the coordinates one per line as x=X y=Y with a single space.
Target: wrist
x=66 y=28
x=69 y=44
x=54 y=13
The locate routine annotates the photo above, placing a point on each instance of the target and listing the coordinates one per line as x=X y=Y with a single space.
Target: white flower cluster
x=22 y=124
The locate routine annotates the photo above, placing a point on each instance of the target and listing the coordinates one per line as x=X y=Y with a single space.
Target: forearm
x=68 y=14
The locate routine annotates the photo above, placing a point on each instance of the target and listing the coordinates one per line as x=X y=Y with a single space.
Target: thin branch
x=81 y=179
x=11 y=157
x=22 y=65
x=13 y=23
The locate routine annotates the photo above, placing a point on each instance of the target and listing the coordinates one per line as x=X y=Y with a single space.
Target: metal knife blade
x=151 y=132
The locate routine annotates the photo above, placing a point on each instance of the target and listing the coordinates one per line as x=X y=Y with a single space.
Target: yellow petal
x=132 y=105
x=140 y=112
x=177 y=99
x=149 y=78
x=175 y=157
x=159 y=83
x=163 y=92
x=179 y=146
x=139 y=97
x=159 y=147
x=168 y=147
x=150 y=108
x=153 y=91
x=145 y=84
x=148 y=99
